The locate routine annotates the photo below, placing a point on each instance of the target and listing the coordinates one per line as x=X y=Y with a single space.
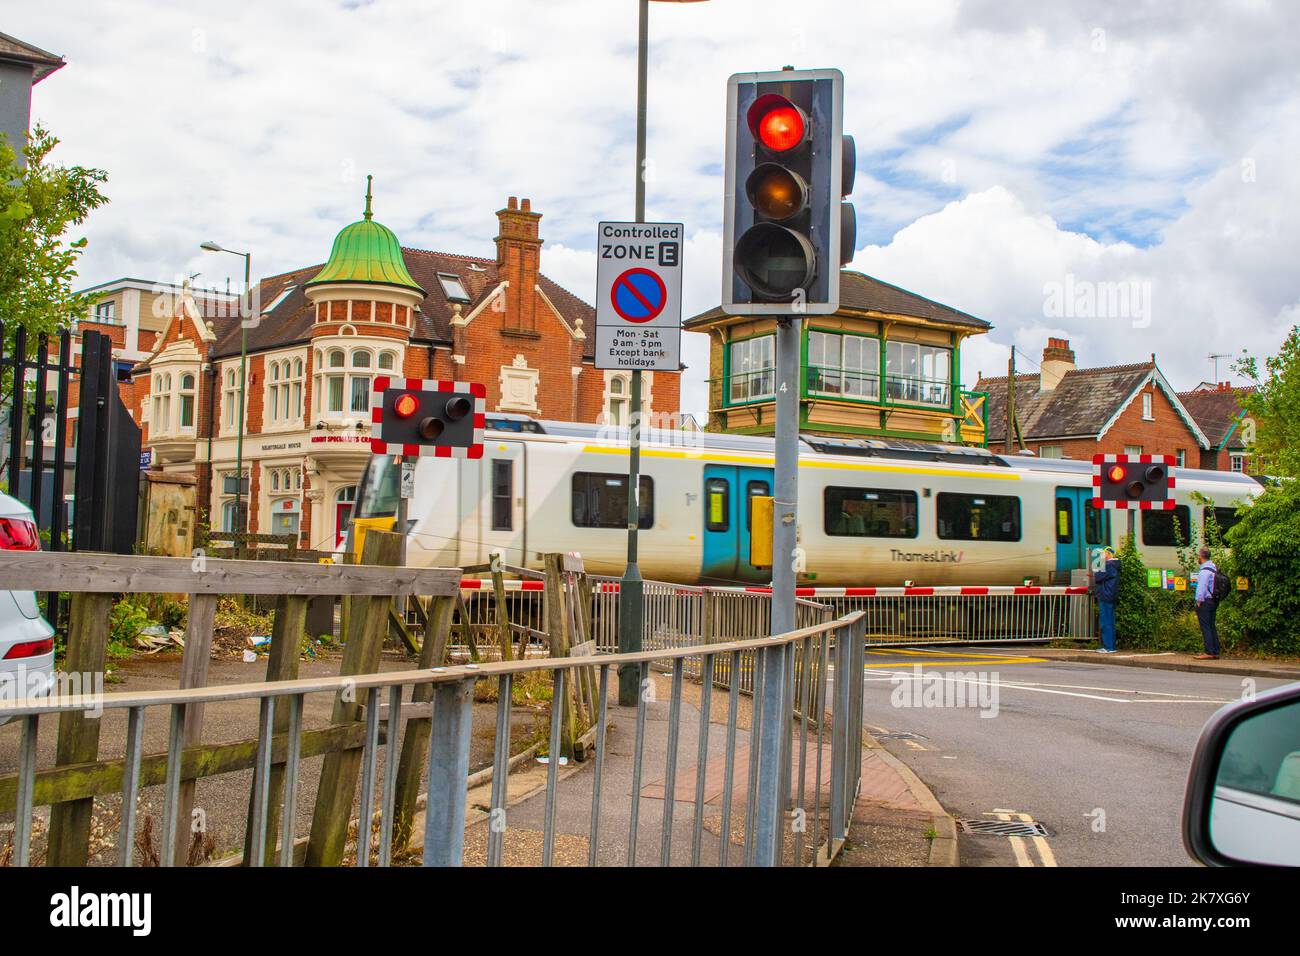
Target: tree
x=39 y=203
x=1265 y=552
x=1270 y=422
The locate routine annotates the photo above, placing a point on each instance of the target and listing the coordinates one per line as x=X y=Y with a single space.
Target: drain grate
x=1007 y=828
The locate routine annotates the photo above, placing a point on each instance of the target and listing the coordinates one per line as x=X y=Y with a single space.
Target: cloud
x=1003 y=144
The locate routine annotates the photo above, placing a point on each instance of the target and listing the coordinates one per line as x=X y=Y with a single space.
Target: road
x=1096 y=753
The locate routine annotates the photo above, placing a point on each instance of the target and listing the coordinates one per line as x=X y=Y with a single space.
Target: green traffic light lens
x=775 y=261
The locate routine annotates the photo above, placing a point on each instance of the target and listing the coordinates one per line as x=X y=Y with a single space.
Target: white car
x=26 y=639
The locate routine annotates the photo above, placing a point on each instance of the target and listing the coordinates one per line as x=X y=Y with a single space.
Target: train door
x=727 y=493
x=1080 y=530
x=501 y=502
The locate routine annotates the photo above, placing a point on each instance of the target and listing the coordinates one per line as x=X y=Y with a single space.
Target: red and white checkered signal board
x=383 y=441
x=1134 y=471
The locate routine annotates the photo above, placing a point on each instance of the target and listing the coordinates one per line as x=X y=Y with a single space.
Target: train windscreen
x=379 y=488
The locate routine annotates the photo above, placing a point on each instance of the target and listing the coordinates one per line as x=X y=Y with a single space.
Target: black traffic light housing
x=428 y=417
x=788 y=167
x=1133 y=481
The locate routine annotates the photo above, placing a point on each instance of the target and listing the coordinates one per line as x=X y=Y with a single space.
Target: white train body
x=869 y=513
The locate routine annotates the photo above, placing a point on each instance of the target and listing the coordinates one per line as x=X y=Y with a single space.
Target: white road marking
x=1046 y=689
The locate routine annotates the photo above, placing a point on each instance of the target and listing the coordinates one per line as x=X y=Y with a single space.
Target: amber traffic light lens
x=776 y=192
x=1117 y=473
x=430 y=429
x=781 y=128
x=406 y=406
x=1135 y=489
x=1155 y=474
x=457 y=407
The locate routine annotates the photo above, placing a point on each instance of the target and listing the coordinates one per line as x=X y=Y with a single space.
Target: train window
x=600 y=500
x=1096 y=529
x=754 y=489
x=1064 y=521
x=1167 y=529
x=978 y=517
x=717 y=504
x=1224 y=518
x=869 y=513
x=503 y=494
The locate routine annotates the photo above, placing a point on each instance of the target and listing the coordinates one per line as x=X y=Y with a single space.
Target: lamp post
x=241 y=515
x=631 y=592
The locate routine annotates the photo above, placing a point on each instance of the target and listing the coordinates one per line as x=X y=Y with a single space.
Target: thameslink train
x=880 y=513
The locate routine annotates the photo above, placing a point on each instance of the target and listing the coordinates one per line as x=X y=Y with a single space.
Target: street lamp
x=241 y=516
x=631 y=594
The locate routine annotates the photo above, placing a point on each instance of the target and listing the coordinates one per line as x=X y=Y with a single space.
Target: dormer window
x=284 y=294
x=452 y=287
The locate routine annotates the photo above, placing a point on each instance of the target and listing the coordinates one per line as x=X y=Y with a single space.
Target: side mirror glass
x=1243 y=795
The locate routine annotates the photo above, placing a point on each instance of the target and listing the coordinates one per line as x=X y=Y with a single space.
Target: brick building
x=317 y=337
x=1068 y=412
x=1216 y=406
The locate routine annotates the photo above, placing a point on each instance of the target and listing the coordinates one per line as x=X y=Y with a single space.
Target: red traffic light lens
x=781 y=129
x=1117 y=473
x=457 y=408
x=406 y=405
x=777 y=123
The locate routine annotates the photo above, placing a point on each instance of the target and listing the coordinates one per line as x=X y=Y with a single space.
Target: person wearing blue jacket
x=1106 y=581
x=1206 y=607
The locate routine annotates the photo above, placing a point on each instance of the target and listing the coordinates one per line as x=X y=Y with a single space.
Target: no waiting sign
x=639 y=296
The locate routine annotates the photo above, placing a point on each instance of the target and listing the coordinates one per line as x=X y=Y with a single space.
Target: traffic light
x=420 y=416
x=1133 y=481
x=787 y=231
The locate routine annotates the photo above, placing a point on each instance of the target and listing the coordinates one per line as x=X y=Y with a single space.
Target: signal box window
x=1158 y=527
x=869 y=513
x=717 y=504
x=978 y=517
x=753 y=369
x=600 y=500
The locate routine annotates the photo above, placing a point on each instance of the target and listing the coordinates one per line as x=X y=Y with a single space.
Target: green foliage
x=38 y=204
x=125 y=622
x=1136 y=610
x=1266 y=550
x=1270 y=409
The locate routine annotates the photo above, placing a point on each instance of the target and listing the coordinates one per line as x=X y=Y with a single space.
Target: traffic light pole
x=784 y=518
x=631 y=592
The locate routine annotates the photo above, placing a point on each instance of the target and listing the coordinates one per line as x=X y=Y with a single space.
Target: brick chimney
x=518 y=261
x=1058 y=358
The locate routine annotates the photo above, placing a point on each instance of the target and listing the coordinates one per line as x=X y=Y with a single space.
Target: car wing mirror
x=1242 y=806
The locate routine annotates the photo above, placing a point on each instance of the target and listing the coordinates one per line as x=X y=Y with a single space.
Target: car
x=1242 y=805
x=26 y=638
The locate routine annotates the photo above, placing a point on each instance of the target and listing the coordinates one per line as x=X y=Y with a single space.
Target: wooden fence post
x=557 y=630
x=368 y=622
x=290 y=621
x=78 y=742
x=194 y=673
x=504 y=637
x=415 y=741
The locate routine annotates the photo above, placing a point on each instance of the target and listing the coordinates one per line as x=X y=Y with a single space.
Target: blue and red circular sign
x=638 y=295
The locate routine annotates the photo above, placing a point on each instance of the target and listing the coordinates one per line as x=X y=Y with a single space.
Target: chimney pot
x=513 y=203
x=526 y=205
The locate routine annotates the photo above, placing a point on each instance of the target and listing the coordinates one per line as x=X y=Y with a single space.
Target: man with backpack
x=1211 y=588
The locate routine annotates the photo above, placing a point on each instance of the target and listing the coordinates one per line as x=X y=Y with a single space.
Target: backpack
x=1220 y=587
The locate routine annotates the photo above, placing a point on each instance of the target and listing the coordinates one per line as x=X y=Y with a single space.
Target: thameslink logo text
x=76 y=909
x=941 y=557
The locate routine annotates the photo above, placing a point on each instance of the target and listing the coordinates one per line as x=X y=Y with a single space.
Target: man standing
x=1207 y=605
x=1107 y=583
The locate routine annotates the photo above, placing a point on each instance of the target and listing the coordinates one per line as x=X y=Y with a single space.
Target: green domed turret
x=366 y=251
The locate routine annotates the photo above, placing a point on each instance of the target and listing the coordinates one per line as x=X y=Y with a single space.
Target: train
x=870 y=512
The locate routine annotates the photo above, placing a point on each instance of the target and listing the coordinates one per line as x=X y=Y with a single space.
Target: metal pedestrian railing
x=792 y=798
x=776 y=738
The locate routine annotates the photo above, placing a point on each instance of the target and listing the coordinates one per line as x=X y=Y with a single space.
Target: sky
x=1120 y=173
